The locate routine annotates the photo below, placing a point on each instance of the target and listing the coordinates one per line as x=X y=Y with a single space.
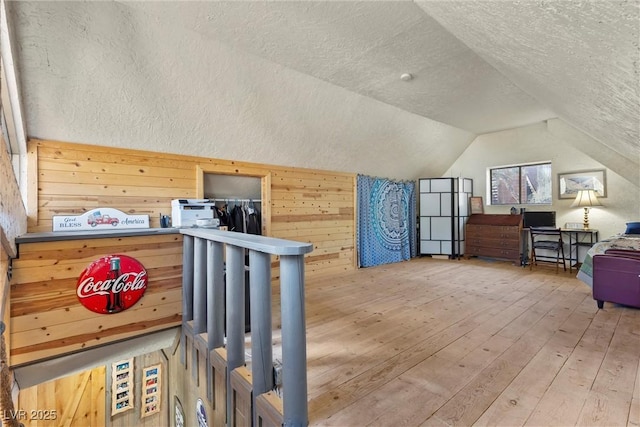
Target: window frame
x=520 y=166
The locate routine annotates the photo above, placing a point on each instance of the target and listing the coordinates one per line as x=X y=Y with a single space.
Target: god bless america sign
x=98 y=220
x=112 y=284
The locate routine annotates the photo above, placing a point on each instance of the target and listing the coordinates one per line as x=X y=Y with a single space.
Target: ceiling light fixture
x=406 y=77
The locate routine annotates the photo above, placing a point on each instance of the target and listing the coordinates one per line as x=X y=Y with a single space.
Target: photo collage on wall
x=121 y=386
x=151 y=383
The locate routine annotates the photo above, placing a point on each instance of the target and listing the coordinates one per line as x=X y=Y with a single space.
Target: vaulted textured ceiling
x=364 y=47
x=478 y=66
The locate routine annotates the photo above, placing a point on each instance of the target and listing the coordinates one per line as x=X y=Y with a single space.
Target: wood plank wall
x=84 y=399
x=307 y=205
x=76 y=400
x=13 y=217
x=4 y=299
x=47 y=319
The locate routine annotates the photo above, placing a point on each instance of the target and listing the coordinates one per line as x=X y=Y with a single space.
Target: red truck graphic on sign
x=98 y=219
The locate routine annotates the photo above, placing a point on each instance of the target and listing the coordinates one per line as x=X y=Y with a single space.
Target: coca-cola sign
x=112 y=284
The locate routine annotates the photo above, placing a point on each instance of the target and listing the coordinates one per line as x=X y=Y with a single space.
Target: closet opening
x=239 y=201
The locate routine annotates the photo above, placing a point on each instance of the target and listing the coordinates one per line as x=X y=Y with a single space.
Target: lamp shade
x=586 y=199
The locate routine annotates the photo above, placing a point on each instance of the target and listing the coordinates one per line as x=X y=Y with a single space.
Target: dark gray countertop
x=52 y=236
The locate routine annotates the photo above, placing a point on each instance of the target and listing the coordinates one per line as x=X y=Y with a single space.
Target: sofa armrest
x=629 y=253
x=616 y=278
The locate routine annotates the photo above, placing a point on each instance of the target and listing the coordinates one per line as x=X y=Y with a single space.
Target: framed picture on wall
x=570 y=183
x=476 y=205
x=151 y=380
x=121 y=386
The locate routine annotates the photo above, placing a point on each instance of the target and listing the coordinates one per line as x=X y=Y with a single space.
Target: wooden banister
x=206 y=280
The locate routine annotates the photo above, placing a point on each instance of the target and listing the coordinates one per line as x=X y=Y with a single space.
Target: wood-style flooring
x=468 y=342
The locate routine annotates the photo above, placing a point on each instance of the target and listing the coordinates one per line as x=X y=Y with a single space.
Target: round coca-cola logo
x=112 y=284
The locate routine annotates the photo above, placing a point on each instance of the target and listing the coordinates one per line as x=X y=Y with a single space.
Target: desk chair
x=550 y=239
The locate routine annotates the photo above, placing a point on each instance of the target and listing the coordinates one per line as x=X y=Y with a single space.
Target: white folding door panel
x=444 y=208
x=446 y=247
x=441 y=228
x=430 y=204
x=425 y=228
x=445 y=204
x=429 y=247
x=441 y=185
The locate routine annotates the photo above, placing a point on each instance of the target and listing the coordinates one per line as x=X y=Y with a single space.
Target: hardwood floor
x=471 y=342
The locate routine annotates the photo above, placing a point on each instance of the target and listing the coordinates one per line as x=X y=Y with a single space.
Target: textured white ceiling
x=581 y=59
x=316 y=79
x=365 y=47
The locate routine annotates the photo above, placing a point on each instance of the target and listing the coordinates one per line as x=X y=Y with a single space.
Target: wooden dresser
x=494 y=236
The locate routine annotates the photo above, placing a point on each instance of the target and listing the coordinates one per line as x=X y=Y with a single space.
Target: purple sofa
x=616 y=277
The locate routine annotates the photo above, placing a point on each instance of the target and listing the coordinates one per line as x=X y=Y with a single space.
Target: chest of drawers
x=494 y=236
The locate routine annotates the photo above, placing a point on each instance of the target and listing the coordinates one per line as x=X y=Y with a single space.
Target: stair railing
x=214 y=254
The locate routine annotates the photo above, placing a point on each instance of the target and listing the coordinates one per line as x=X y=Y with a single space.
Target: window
x=521 y=184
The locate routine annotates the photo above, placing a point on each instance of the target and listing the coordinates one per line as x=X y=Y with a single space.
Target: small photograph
x=122 y=366
x=122 y=376
x=151 y=373
x=151 y=390
x=122 y=386
x=123 y=404
x=122 y=395
x=152 y=381
x=151 y=399
x=150 y=409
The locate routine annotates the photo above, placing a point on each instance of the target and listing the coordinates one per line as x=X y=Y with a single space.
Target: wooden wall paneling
x=98 y=414
x=199 y=182
x=32 y=184
x=5 y=300
x=266 y=205
x=269 y=410
x=133 y=181
x=181 y=385
x=316 y=207
x=13 y=215
x=46 y=317
x=75 y=400
x=307 y=205
x=241 y=386
x=218 y=364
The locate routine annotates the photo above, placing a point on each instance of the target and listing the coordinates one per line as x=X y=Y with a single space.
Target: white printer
x=188 y=212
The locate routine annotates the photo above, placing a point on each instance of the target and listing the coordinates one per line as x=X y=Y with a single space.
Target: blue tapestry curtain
x=386 y=221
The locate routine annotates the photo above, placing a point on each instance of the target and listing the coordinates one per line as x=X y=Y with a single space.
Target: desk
x=577 y=238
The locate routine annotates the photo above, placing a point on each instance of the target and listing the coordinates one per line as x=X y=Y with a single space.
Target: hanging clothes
x=238 y=219
x=254 y=221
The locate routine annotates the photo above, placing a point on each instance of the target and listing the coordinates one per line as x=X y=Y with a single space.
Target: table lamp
x=586 y=199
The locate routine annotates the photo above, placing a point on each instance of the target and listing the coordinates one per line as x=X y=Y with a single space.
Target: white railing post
x=261 y=333
x=187 y=278
x=199 y=286
x=187 y=291
x=294 y=342
x=215 y=294
x=235 y=315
